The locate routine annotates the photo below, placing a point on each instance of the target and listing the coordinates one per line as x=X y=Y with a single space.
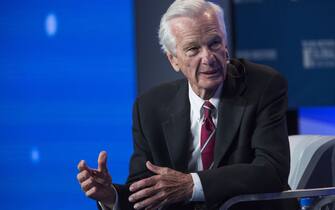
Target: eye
x=192 y=51
x=215 y=45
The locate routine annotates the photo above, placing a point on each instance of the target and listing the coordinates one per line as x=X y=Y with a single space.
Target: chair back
x=312 y=161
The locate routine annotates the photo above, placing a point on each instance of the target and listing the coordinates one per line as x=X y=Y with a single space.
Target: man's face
x=201 y=52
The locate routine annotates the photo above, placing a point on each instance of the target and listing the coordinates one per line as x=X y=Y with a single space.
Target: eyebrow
x=214 y=38
x=211 y=38
x=189 y=44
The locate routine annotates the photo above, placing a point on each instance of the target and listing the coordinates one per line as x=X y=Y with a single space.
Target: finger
x=157 y=169
x=88 y=184
x=148 y=182
x=82 y=166
x=83 y=175
x=103 y=179
x=91 y=192
x=102 y=161
x=144 y=193
x=151 y=201
x=157 y=205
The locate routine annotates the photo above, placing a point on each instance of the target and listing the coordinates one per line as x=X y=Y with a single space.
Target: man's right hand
x=97 y=183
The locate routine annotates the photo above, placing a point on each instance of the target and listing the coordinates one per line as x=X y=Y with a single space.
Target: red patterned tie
x=207 y=139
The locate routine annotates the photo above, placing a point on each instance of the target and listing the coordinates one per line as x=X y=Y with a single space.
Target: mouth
x=212 y=72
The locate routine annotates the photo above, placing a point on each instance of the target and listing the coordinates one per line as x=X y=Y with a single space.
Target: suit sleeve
x=268 y=171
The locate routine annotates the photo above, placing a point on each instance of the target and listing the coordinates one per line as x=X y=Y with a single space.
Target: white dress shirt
x=196 y=118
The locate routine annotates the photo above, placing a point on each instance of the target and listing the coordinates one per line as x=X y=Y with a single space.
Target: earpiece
x=227 y=56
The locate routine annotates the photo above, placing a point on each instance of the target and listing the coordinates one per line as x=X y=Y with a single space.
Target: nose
x=207 y=57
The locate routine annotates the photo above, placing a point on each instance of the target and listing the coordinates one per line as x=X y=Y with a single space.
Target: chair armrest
x=315 y=192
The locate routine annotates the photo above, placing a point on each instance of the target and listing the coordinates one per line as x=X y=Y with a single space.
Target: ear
x=227 y=52
x=227 y=56
x=173 y=61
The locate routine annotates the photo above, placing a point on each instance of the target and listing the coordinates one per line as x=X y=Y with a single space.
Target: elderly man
x=198 y=141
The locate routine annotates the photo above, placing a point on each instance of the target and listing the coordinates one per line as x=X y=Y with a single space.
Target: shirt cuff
x=198 y=192
x=111 y=207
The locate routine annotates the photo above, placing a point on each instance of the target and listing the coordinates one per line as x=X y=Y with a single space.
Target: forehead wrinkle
x=178 y=25
x=206 y=35
x=201 y=29
x=180 y=28
x=211 y=23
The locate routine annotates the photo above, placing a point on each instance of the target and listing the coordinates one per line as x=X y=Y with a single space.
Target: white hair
x=185 y=8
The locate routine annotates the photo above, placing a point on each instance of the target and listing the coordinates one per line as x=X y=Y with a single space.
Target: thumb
x=102 y=162
x=156 y=169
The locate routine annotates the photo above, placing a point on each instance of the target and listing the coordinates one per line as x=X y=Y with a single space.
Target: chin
x=211 y=84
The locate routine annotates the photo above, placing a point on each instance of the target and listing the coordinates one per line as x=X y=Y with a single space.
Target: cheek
x=194 y=64
x=221 y=56
x=190 y=67
x=194 y=69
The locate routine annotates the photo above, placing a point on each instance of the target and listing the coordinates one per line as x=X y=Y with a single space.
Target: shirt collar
x=196 y=102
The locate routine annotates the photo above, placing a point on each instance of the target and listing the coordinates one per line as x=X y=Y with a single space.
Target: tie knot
x=208 y=108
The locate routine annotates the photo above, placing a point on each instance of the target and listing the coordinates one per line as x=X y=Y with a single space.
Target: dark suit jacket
x=251 y=148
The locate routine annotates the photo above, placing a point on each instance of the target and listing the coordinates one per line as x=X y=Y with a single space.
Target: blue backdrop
x=67 y=85
x=295 y=37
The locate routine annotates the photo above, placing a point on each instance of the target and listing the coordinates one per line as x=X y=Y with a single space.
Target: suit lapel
x=177 y=129
x=231 y=109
